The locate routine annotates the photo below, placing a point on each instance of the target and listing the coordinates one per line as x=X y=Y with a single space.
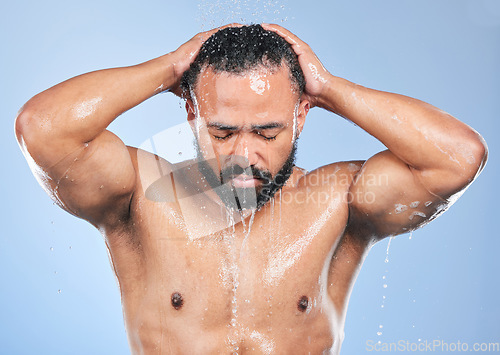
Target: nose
x=244 y=147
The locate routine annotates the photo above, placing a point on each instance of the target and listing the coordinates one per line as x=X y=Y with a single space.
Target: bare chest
x=260 y=275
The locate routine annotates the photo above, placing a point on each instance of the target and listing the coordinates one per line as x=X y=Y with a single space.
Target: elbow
x=471 y=156
x=479 y=153
x=22 y=124
x=31 y=127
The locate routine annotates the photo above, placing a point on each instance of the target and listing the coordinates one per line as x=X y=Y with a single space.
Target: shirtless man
x=240 y=251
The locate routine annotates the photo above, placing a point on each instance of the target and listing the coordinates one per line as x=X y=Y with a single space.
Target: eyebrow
x=260 y=127
x=221 y=126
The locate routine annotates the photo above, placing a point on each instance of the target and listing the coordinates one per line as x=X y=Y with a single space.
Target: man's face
x=246 y=128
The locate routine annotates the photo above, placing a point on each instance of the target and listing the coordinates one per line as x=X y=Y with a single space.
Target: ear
x=302 y=112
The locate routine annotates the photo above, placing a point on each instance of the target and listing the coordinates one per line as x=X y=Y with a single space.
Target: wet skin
x=290 y=291
x=266 y=284
x=196 y=277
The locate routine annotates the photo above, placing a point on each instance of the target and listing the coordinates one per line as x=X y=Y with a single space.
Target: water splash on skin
x=231 y=273
x=259 y=83
x=441 y=149
x=414 y=204
x=85 y=108
x=283 y=258
x=399 y=208
x=159 y=88
x=417 y=213
x=196 y=113
x=465 y=151
x=362 y=100
x=295 y=122
x=243 y=244
x=396 y=118
x=351 y=167
x=316 y=74
x=266 y=345
x=279 y=221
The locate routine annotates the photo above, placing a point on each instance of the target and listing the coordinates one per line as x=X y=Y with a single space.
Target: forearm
x=419 y=134
x=82 y=107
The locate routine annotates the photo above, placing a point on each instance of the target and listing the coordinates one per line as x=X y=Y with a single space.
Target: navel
x=176 y=300
x=303 y=303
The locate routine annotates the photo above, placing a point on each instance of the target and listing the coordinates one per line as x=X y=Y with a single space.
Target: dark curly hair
x=240 y=49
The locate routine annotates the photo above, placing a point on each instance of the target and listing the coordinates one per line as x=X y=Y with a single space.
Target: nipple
x=176 y=300
x=303 y=303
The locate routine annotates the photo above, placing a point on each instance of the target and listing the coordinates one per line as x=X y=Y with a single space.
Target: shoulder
x=339 y=174
x=325 y=189
x=158 y=180
x=156 y=177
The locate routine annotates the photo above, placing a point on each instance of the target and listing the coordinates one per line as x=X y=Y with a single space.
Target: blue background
x=57 y=292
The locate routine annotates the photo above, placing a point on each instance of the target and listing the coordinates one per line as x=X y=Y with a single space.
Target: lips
x=245 y=181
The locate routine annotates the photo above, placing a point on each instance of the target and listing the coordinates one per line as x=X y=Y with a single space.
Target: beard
x=248 y=197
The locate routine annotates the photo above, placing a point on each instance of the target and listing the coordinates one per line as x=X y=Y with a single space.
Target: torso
x=276 y=282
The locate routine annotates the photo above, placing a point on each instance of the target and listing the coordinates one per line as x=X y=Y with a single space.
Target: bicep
x=93 y=181
x=388 y=197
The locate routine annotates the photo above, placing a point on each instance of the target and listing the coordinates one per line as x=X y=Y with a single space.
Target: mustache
x=232 y=171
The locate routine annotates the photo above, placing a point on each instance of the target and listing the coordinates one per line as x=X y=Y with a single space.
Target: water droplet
x=414 y=204
x=387 y=251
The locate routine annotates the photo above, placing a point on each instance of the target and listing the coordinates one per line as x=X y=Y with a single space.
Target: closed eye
x=267 y=138
x=223 y=138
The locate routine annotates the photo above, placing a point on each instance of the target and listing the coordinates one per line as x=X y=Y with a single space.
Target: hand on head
x=186 y=53
x=315 y=73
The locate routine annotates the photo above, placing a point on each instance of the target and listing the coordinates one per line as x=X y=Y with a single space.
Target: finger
x=283 y=32
x=234 y=24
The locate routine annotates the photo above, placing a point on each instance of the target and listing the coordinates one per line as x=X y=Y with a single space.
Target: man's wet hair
x=238 y=50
